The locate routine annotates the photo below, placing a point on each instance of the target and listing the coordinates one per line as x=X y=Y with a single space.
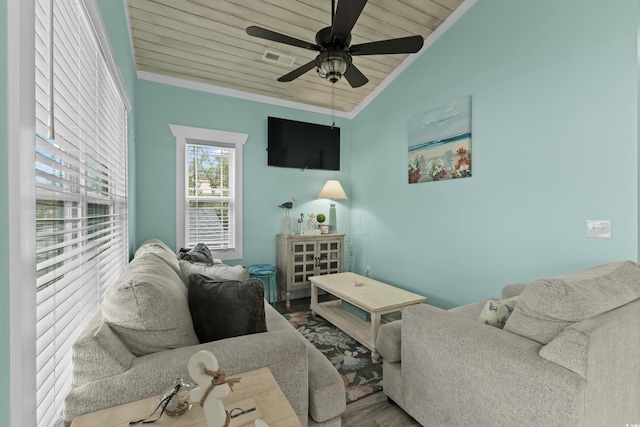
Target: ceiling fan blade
x=410 y=44
x=298 y=72
x=355 y=77
x=347 y=13
x=263 y=33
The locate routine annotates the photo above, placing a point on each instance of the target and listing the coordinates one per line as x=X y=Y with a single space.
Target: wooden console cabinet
x=299 y=257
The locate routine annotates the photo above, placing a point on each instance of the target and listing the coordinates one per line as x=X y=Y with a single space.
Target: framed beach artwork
x=440 y=143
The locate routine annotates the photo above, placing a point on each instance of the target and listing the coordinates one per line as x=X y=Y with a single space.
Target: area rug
x=360 y=374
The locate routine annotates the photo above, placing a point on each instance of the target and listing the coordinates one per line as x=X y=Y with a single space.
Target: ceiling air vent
x=278 y=58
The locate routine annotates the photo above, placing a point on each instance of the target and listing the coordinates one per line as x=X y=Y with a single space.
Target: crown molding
x=234 y=93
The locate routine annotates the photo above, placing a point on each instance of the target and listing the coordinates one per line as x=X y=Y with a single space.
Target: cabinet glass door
x=304 y=262
x=329 y=257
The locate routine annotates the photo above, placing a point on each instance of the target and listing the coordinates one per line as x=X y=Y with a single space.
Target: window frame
x=20 y=369
x=22 y=226
x=202 y=136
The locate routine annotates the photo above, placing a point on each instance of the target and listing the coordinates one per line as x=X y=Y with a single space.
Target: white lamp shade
x=332 y=190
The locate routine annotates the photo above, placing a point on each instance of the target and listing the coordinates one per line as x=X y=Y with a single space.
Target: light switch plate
x=599 y=228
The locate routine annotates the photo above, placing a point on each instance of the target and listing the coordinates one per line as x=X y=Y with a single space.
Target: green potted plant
x=324 y=228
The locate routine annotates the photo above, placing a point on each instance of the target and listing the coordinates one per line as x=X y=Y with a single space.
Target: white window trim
x=22 y=230
x=22 y=215
x=182 y=135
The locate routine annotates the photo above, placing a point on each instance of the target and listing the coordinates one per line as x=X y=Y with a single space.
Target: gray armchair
x=567 y=356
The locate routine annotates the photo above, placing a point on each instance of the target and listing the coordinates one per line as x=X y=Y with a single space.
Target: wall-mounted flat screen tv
x=293 y=144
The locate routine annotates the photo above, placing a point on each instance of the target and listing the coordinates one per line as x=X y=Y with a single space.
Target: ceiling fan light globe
x=333 y=67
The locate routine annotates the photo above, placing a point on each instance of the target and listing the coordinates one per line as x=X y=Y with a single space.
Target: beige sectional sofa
x=141 y=338
x=569 y=355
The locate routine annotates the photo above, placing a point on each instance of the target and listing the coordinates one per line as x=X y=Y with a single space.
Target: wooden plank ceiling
x=205 y=41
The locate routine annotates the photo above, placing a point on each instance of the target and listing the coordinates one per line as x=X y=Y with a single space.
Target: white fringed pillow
x=496 y=313
x=218 y=271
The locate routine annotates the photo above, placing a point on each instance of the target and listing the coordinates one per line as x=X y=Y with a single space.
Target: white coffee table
x=372 y=296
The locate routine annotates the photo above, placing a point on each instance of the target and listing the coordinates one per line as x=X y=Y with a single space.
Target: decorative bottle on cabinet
x=299 y=257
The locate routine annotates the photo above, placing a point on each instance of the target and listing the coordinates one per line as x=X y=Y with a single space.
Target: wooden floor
x=371 y=411
x=376 y=411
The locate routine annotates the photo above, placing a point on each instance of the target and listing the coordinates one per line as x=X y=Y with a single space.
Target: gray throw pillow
x=199 y=253
x=225 y=309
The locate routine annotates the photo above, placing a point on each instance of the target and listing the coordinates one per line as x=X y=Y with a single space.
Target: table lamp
x=332 y=190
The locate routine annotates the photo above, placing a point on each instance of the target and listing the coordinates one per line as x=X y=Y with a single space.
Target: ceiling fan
x=335 y=57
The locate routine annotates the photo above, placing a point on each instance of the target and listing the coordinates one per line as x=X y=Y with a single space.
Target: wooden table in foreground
x=258 y=385
x=376 y=298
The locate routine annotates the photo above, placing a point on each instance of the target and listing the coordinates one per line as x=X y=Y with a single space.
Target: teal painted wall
x=555 y=122
x=555 y=136
x=115 y=21
x=5 y=367
x=158 y=105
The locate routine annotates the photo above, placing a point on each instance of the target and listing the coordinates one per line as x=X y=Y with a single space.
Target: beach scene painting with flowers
x=440 y=143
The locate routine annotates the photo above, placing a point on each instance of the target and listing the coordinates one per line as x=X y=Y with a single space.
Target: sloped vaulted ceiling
x=205 y=41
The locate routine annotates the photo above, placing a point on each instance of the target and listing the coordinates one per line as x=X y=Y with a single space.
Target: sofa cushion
x=199 y=253
x=513 y=290
x=158 y=247
x=495 y=313
x=469 y=311
x=217 y=271
x=574 y=347
x=275 y=321
x=547 y=306
x=98 y=345
x=153 y=245
x=147 y=307
x=225 y=309
x=389 y=341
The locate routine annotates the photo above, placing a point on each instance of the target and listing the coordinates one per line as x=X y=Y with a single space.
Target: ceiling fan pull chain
x=333 y=106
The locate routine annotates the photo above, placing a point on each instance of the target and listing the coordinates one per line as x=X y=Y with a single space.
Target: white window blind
x=81 y=190
x=210 y=196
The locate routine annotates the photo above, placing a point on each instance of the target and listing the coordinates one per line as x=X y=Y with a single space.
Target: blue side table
x=267 y=274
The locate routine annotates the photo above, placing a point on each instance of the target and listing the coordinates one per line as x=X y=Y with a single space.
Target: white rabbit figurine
x=214 y=411
x=201 y=365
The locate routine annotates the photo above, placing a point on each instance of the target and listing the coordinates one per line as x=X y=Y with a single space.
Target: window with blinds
x=81 y=190
x=210 y=196
x=209 y=189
